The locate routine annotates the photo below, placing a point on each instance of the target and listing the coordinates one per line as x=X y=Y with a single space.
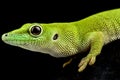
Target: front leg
x=96 y=41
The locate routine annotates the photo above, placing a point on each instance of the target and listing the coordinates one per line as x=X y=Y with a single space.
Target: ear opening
x=55 y=37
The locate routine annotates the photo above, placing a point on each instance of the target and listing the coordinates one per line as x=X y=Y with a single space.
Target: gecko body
x=69 y=38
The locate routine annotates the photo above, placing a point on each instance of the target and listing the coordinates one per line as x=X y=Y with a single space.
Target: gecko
x=63 y=39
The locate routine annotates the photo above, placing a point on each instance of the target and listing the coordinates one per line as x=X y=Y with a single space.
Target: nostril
x=6 y=34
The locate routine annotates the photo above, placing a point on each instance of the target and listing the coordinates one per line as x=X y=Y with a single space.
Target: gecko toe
x=92 y=60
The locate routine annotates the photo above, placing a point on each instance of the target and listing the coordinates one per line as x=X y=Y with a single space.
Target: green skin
x=75 y=37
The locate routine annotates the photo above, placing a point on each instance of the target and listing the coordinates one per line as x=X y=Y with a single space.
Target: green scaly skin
x=66 y=39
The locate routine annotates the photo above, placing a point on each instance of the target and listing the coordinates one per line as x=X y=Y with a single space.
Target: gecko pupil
x=35 y=30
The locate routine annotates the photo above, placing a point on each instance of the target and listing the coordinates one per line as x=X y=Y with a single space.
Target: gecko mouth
x=10 y=40
x=16 y=42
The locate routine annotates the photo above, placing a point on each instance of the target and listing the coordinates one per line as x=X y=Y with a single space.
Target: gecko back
x=107 y=21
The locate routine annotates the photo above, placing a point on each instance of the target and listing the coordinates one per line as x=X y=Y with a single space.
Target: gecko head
x=45 y=38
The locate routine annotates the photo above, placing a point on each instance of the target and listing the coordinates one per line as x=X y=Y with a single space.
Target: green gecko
x=63 y=39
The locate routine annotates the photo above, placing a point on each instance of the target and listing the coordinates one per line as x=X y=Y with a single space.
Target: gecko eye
x=35 y=30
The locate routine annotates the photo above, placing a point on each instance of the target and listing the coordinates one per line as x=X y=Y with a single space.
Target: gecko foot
x=66 y=63
x=86 y=60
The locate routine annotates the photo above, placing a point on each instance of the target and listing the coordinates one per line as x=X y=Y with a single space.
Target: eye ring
x=35 y=30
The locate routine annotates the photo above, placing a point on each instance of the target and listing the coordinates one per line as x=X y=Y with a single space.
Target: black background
x=17 y=63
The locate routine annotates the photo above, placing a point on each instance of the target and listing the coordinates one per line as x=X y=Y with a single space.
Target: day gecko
x=63 y=39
